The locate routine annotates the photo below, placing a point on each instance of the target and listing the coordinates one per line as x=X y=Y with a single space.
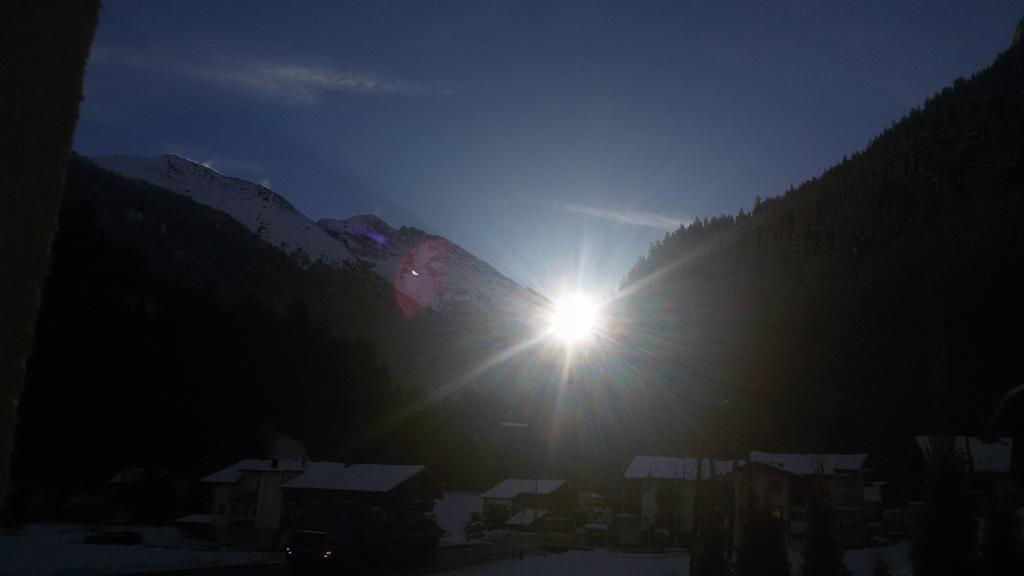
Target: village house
x=781 y=481
x=254 y=501
x=662 y=491
x=524 y=504
x=247 y=500
x=988 y=460
x=397 y=496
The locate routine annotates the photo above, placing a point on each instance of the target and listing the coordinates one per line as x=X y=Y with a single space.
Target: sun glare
x=574 y=318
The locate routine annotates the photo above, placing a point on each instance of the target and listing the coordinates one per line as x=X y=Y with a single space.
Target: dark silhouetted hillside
x=876 y=300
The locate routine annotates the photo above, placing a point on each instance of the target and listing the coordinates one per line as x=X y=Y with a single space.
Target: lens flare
x=574 y=318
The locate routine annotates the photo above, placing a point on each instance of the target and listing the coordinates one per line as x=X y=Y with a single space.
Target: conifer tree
x=943 y=539
x=762 y=547
x=822 y=555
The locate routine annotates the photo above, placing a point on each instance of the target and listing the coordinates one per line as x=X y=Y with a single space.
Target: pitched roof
x=1007 y=415
x=353 y=477
x=233 y=473
x=807 y=464
x=195 y=519
x=671 y=468
x=988 y=456
x=512 y=487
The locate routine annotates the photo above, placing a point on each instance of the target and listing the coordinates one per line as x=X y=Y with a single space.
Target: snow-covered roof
x=807 y=464
x=512 y=487
x=128 y=476
x=988 y=456
x=353 y=477
x=1007 y=417
x=671 y=468
x=526 y=517
x=233 y=473
x=195 y=519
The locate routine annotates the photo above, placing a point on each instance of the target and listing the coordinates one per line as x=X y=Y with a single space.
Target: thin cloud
x=290 y=81
x=628 y=217
x=308 y=85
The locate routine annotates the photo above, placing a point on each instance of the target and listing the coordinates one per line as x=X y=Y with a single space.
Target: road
x=448 y=559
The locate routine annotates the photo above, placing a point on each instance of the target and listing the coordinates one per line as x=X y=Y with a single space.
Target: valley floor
x=57 y=549
x=608 y=563
x=44 y=549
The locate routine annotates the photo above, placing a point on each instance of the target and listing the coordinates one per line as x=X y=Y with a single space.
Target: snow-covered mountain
x=432 y=271
x=427 y=271
x=261 y=210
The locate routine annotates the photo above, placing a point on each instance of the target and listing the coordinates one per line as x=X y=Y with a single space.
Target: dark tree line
x=172 y=338
x=860 y=305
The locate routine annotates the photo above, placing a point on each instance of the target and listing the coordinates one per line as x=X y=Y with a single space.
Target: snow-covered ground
x=861 y=561
x=57 y=549
x=591 y=563
x=607 y=562
x=452 y=512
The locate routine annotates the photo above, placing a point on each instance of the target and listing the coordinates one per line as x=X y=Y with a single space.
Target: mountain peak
x=266 y=213
x=361 y=223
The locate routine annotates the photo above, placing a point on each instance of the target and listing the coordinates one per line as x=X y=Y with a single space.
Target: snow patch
x=261 y=210
x=58 y=549
x=453 y=512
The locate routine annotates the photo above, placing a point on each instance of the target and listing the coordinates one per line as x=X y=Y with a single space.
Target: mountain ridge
x=454 y=277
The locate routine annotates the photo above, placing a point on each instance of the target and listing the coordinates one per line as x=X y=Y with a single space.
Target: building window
x=774 y=487
x=221 y=509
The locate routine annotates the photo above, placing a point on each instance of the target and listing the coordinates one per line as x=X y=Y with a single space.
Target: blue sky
x=555 y=140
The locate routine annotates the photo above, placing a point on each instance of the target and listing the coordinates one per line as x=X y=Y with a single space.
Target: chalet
x=524 y=504
x=781 y=481
x=247 y=500
x=255 y=501
x=662 y=491
x=988 y=459
x=396 y=496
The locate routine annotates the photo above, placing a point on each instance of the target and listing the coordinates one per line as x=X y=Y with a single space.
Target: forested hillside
x=170 y=337
x=880 y=299
x=174 y=339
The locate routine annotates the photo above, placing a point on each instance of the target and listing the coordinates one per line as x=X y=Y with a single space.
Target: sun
x=573 y=318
